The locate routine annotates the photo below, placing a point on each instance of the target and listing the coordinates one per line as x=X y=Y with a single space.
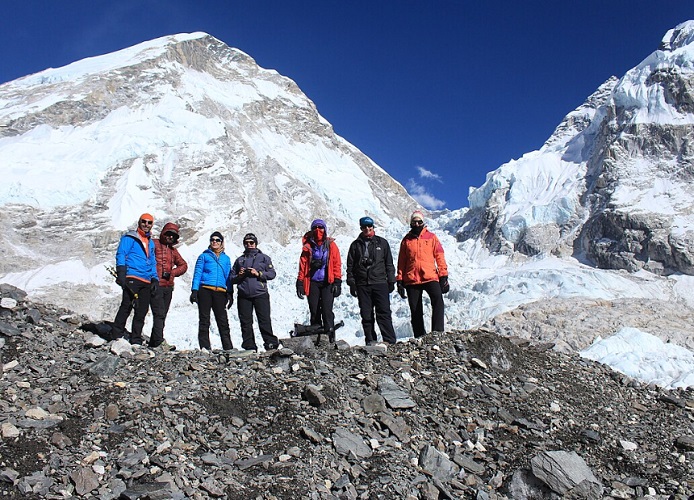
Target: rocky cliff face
x=620 y=167
x=183 y=127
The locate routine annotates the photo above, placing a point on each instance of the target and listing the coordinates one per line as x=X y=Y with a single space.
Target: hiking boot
x=165 y=346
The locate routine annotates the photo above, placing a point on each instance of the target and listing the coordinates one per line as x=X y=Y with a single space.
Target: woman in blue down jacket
x=210 y=285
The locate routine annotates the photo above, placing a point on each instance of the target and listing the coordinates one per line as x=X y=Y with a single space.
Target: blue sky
x=438 y=93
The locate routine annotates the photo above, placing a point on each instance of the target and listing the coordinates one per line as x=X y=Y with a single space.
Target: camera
x=316 y=264
x=366 y=261
x=166 y=276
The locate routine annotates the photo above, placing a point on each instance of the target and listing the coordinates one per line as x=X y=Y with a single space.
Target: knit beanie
x=251 y=237
x=146 y=216
x=416 y=215
x=217 y=234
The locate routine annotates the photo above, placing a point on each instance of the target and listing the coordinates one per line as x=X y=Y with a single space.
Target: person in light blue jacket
x=209 y=291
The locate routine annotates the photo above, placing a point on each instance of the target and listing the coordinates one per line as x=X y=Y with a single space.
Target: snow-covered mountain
x=195 y=132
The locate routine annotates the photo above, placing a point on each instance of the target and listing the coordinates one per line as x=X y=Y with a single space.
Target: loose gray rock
x=566 y=472
x=433 y=461
x=394 y=395
x=105 y=366
x=348 y=443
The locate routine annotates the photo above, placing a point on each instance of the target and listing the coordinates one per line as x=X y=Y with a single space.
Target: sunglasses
x=417 y=223
x=249 y=242
x=317 y=227
x=170 y=235
x=367 y=226
x=215 y=240
x=148 y=222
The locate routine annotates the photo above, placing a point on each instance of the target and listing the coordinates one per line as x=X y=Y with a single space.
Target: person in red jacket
x=320 y=276
x=422 y=268
x=170 y=264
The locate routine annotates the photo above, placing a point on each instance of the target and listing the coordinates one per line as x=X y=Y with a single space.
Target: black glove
x=391 y=287
x=445 y=286
x=230 y=300
x=154 y=287
x=353 y=290
x=121 y=271
x=336 y=288
x=300 y=289
x=401 y=290
x=193 y=296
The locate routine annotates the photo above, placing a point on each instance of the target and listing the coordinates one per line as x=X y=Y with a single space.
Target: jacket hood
x=320 y=222
x=170 y=226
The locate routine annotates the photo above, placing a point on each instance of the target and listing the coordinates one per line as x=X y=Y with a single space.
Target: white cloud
x=425 y=198
x=428 y=174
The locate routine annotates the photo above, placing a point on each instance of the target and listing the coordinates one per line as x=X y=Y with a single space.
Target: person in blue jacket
x=136 y=273
x=250 y=273
x=209 y=291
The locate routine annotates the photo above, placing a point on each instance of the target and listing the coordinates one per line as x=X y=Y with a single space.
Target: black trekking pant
x=215 y=301
x=320 y=305
x=261 y=305
x=160 y=303
x=414 y=297
x=141 y=305
x=376 y=297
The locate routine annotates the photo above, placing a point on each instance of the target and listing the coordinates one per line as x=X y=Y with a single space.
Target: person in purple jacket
x=250 y=273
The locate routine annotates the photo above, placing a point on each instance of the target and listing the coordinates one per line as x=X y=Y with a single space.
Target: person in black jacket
x=371 y=278
x=250 y=273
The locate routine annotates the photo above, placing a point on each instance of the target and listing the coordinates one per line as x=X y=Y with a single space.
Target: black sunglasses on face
x=417 y=223
x=249 y=242
x=148 y=222
x=367 y=226
x=317 y=227
x=215 y=240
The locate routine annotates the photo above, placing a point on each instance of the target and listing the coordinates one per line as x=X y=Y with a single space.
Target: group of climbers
x=146 y=269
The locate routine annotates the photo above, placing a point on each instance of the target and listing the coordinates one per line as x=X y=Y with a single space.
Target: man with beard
x=136 y=272
x=371 y=278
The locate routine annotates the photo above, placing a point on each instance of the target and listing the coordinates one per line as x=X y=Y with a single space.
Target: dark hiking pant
x=414 y=297
x=320 y=305
x=261 y=305
x=375 y=297
x=142 y=290
x=215 y=301
x=160 y=308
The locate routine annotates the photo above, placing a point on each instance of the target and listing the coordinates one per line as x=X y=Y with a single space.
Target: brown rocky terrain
x=465 y=414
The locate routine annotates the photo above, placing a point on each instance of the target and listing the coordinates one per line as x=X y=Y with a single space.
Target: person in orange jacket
x=422 y=268
x=320 y=276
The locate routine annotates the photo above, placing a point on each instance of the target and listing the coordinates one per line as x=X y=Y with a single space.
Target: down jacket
x=212 y=271
x=168 y=258
x=421 y=259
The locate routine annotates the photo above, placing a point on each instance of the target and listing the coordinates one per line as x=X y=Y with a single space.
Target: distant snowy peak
x=611 y=184
x=678 y=37
x=186 y=128
x=123 y=58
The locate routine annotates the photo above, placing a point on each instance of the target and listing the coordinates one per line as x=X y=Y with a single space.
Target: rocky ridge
x=457 y=415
